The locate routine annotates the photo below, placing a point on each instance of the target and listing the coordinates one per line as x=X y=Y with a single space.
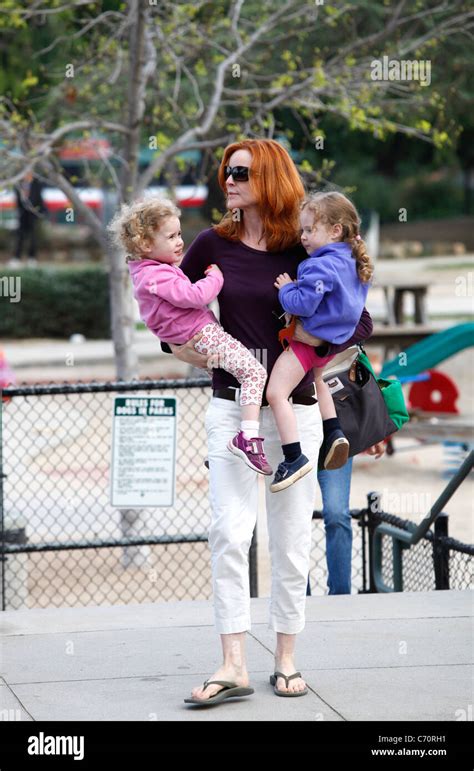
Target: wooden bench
x=394 y=290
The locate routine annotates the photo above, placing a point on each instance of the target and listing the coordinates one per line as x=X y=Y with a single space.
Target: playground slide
x=429 y=352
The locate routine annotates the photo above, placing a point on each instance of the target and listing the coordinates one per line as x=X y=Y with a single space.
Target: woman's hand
x=283 y=279
x=188 y=353
x=377 y=449
x=304 y=337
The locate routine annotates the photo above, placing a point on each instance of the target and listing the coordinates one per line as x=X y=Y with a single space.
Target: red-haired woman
x=256 y=240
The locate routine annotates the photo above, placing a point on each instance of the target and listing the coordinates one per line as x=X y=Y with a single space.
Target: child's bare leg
x=286 y=374
x=325 y=400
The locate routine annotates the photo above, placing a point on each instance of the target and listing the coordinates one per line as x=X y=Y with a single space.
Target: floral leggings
x=229 y=354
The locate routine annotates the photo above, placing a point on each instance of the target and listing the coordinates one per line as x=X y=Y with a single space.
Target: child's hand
x=212 y=267
x=282 y=279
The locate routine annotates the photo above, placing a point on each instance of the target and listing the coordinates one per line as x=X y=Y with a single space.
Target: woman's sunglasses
x=238 y=173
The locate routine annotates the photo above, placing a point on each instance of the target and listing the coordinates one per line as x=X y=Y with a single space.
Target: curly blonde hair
x=333 y=208
x=135 y=224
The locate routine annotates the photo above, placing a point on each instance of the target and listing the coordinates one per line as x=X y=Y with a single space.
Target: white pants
x=234 y=501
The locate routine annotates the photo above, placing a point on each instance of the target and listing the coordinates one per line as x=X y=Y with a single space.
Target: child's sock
x=330 y=424
x=250 y=428
x=291 y=451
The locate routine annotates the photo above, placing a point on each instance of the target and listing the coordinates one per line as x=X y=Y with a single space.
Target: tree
x=198 y=75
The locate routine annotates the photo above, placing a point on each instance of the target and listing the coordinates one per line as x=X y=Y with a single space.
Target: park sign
x=143 y=451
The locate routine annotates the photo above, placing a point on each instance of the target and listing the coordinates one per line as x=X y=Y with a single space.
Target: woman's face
x=239 y=194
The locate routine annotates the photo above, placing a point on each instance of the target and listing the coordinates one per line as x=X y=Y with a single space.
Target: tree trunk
x=122 y=316
x=123 y=321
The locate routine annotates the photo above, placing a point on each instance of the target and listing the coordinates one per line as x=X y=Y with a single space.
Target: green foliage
x=58 y=303
x=330 y=47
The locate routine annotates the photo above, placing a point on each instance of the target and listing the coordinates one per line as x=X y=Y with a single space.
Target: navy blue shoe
x=334 y=451
x=288 y=473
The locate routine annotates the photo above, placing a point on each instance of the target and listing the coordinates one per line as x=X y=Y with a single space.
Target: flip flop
x=287 y=678
x=228 y=691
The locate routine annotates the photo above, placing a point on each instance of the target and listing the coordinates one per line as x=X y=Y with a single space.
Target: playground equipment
x=429 y=352
x=403 y=540
x=432 y=396
x=431 y=391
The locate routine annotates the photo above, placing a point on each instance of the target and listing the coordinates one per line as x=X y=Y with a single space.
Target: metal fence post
x=440 y=552
x=373 y=506
x=363 y=522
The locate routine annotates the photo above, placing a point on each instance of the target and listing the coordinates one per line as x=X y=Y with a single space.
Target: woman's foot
x=286 y=666
x=232 y=674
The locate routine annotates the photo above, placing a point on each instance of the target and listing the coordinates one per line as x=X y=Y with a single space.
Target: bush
x=55 y=302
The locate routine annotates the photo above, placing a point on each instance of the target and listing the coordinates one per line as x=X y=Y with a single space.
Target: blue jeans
x=335 y=490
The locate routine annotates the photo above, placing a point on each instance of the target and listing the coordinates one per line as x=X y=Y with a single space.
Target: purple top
x=248 y=302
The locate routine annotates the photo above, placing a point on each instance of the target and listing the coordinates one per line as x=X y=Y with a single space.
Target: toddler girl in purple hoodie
x=328 y=297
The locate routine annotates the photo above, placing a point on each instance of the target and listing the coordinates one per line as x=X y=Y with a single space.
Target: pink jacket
x=170 y=305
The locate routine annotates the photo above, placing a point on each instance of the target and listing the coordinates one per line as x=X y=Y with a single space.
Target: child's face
x=314 y=234
x=167 y=244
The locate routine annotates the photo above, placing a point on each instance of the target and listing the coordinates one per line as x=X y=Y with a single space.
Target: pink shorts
x=307 y=356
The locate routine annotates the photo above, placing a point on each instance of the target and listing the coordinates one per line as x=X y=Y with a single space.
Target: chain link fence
x=64 y=545
x=78 y=549
x=435 y=562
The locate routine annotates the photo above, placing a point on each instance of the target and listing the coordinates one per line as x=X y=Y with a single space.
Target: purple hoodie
x=328 y=295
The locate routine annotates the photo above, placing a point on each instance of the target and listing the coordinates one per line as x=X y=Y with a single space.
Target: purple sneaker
x=251 y=452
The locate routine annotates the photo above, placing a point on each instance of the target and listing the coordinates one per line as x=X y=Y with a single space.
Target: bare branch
x=65 y=38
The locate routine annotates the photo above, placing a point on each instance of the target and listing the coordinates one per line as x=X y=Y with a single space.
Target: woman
x=256 y=241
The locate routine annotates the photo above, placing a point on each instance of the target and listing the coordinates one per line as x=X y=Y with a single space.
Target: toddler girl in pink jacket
x=175 y=309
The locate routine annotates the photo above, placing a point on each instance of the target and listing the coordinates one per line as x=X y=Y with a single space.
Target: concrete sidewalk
x=405 y=656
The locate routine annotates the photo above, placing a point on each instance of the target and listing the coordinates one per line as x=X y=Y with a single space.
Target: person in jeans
x=257 y=240
x=335 y=489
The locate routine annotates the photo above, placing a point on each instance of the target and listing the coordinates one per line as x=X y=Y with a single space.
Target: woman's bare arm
x=304 y=337
x=362 y=332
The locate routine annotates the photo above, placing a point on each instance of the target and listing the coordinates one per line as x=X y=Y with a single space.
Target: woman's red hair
x=278 y=189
